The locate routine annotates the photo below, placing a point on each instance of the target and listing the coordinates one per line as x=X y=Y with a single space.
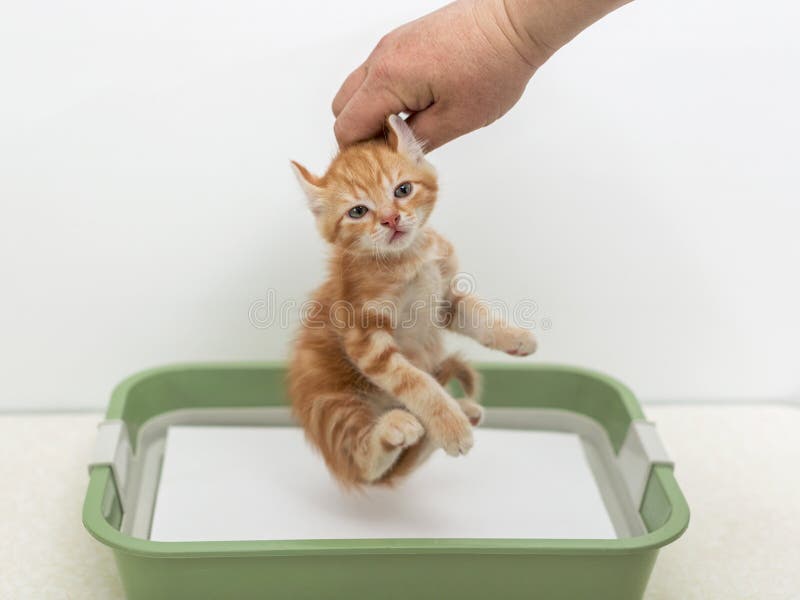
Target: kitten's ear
x=311 y=187
x=401 y=139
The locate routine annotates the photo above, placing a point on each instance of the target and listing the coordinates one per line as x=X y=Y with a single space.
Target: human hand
x=458 y=68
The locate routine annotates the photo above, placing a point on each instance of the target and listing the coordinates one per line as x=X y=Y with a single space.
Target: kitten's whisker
x=381 y=259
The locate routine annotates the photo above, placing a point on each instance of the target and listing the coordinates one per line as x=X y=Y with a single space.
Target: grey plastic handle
x=112 y=448
x=640 y=452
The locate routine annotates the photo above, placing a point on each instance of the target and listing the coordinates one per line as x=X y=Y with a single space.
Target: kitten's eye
x=403 y=190
x=358 y=211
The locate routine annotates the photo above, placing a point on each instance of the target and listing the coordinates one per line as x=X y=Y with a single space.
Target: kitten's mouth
x=396 y=235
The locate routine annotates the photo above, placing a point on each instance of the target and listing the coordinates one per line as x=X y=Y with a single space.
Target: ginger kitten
x=368 y=367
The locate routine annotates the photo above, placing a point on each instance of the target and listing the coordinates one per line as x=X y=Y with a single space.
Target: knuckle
x=381 y=70
x=385 y=43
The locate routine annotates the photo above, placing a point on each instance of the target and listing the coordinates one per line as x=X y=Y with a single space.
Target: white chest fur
x=419 y=326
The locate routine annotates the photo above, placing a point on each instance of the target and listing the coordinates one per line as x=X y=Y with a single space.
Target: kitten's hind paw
x=451 y=430
x=473 y=410
x=399 y=429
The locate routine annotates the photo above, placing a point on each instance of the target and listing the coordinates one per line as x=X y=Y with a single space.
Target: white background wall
x=645 y=192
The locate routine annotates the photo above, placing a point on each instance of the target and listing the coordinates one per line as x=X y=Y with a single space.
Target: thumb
x=436 y=125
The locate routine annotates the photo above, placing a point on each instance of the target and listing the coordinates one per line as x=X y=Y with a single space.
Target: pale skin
x=459 y=68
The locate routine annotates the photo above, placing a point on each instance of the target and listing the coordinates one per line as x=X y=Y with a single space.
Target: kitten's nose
x=391 y=220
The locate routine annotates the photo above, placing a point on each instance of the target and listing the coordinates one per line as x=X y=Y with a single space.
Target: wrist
x=518 y=20
x=503 y=27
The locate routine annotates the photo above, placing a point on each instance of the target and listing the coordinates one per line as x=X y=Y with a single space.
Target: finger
x=349 y=87
x=363 y=116
x=436 y=125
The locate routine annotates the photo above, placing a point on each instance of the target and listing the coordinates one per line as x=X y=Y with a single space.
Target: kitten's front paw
x=399 y=429
x=515 y=341
x=472 y=409
x=450 y=429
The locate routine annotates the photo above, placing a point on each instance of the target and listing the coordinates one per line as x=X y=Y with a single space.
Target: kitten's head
x=376 y=195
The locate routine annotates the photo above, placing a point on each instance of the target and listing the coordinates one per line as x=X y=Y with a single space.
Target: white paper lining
x=265 y=483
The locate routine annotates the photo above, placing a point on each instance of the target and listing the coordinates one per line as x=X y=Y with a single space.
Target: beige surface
x=737 y=465
x=739 y=468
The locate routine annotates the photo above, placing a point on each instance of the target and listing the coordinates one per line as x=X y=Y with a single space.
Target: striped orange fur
x=368 y=367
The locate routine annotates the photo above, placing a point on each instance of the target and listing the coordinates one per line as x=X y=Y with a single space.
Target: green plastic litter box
x=138 y=447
